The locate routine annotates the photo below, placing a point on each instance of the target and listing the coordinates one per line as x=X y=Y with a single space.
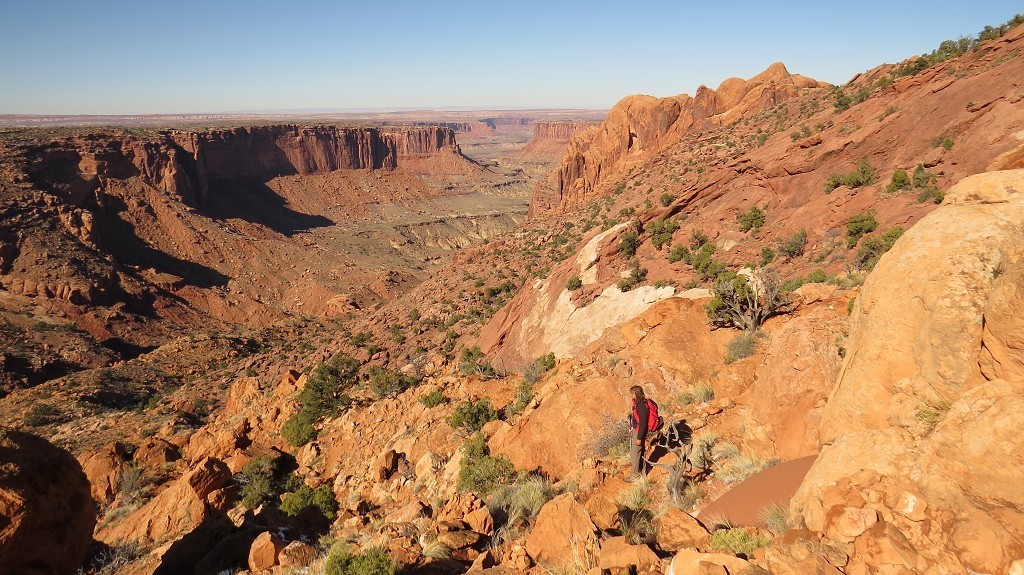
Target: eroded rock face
x=640 y=125
x=46 y=511
x=926 y=415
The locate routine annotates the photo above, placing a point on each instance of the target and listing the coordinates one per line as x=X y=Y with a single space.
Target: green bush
x=742 y=346
x=858 y=225
x=872 y=248
x=931 y=194
x=433 y=399
x=387 y=383
x=628 y=244
x=666 y=199
x=862 y=176
x=735 y=303
x=473 y=414
x=794 y=245
x=767 y=256
x=841 y=100
x=697 y=239
x=661 y=232
x=473 y=361
x=371 y=562
x=480 y=472
x=900 y=181
x=751 y=219
x=923 y=178
x=43 y=414
x=538 y=367
x=322 y=397
x=322 y=498
x=738 y=541
x=680 y=252
x=637 y=275
x=818 y=276
x=299 y=429
x=574 y=283
x=263 y=479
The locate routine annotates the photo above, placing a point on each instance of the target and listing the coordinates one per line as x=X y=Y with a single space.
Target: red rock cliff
x=184 y=163
x=639 y=125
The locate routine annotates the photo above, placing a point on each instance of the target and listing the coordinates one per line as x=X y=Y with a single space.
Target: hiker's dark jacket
x=639 y=417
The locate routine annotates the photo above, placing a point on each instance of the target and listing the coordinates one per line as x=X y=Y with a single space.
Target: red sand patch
x=742 y=504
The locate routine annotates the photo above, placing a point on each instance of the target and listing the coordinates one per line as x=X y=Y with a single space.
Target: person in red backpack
x=639 y=426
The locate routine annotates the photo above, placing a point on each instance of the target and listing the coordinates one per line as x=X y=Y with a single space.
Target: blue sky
x=109 y=57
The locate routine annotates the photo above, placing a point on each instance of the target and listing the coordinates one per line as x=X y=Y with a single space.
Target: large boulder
x=46 y=511
x=563 y=530
x=177 y=510
x=923 y=428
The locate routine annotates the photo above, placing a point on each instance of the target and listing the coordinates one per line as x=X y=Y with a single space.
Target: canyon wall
x=640 y=125
x=184 y=163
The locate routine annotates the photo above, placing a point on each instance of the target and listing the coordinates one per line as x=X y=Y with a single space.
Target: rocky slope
x=401 y=441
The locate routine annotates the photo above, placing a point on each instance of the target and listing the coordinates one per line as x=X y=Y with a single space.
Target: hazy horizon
x=131 y=58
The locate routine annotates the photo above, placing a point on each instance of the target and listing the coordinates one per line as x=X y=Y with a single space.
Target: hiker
x=643 y=419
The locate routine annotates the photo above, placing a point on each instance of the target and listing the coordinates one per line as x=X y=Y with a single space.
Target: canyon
x=273 y=348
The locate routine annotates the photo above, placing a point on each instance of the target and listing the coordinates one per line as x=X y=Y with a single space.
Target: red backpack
x=654 y=421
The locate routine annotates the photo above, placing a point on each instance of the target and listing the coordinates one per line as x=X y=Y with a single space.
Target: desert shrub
x=793 y=246
x=263 y=478
x=923 y=178
x=637 y=526
x=737 y=303
x=697 y=239
x=862 y=176
x=872 y=248
x=841 y=100
x=738 y=464
x=931 y=413
x=776 y=518
x=322 y=498
x=931 y=194
x=388 y=383
x=767 y=256
x=628 y=244
x=473 y=361
x=751 y=219
x=524 y=395
x=299 y=429
x=661 y=232
x=889 y=110
x=818 y=276
x=539 y=367
x=520 y=500
x=738 y=541
x=574 y=283
x=322 y=397
x=43 y=414
x=113 y=560
x=666 y=199
x=637 y=275
x=858 y=225
x=371 y=562
x=473 y=415
x=433 y=399
x=945 y=141
x=900 y=181
x=481 y=472
x=360 y=339
x=610 y=438
x=741 y=347
x=793 y=283
x=680 y=252
x=861 y=95
x=698 y=393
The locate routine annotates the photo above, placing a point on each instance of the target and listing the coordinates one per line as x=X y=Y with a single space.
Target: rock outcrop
x=921 y=444
x=638 y=126
x=46 y=511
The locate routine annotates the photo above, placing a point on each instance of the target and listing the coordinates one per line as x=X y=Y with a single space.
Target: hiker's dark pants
x=636 y=455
